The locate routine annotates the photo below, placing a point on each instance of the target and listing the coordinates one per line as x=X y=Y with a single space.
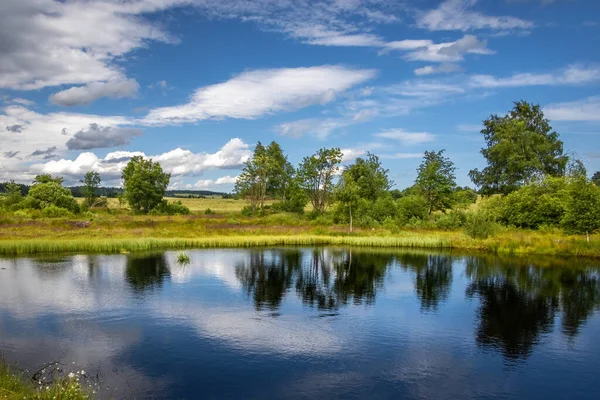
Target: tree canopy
x=520 y=147
x=436 y=180
x=145 y=184
x=316 y=174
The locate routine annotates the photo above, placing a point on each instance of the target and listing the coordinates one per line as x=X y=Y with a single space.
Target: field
x=215 y=204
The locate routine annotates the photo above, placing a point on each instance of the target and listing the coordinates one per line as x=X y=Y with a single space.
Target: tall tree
x=47 y=178
x=281 y=172
x=91 y=182
x=13 y=193
x=316 y=174
x=582 y=210
x=436 y=180
x=145 y=184
x=253 y=181
x=596 y=178
x=520 y=147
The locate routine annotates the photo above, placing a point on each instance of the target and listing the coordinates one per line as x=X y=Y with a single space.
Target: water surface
x=308 y=323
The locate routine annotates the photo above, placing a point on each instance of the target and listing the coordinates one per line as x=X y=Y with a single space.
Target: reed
x=183 y=258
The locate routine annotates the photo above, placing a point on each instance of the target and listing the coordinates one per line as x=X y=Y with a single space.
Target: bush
x=174 y=208
x=248 y=211
x=411 y=207
x=208 y=211
x=384 y=207
x=53 y=211
x=480 y=225
x=43 y=195
x=453 y=220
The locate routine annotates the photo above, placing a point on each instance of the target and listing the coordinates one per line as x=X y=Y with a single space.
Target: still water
x=308 y=323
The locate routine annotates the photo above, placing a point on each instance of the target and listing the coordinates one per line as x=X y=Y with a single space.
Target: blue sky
x=194 y=84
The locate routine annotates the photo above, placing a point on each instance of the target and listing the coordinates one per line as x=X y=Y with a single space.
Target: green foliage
x=436 y=181
x=252 y=183
x=91 y=181
x=520 y=147
x=145 y=184
x=480 y=225
x=455 y=219
x=295 y=200
x=13 y=194
x=173 y=208
x=182 y=258
x=316 y=175
x=576 y=169
x=280 y=174
x=582 y=209
x=208 y=211
x=596 y=178
x=536 y=204
x=47 y=178
x=463 y=198
x=412 y=207
x=42 y=195
x=53 y=211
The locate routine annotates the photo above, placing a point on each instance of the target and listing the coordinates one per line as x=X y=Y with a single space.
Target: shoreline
x=527 y=243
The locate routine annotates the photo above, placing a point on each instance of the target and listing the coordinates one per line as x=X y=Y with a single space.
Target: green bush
x=480 y=225
x=43 y=195
x=166 y=208
x=411 y=207
x=248 y=211
x=455 y=219
x=384 y=207
x=53 y=211
x=208 y=211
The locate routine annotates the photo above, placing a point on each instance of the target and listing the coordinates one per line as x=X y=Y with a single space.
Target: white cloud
x=320 y=128
x=177 y=162
x=256 y=93
x=74 y=42
x=427 y=50
x=457 y=15
x=22 y=101
x=572 y=75
x=352 y=154
x=210 y=183
x=91 y=92
x=407 y=138
x=582 y=110
x=438 y=69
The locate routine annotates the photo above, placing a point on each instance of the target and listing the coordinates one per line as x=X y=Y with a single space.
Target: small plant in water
x=183 y=258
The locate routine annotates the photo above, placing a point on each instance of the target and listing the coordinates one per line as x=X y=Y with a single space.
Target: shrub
x=480 y=225
x=53 y=211
x=453 y=220
x=248 y=211
x=43 y=195
x=208 y=211
x=174 y=208
x=384 y=207
x=411 y=207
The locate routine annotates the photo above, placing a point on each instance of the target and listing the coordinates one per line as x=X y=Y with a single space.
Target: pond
x=308 y=323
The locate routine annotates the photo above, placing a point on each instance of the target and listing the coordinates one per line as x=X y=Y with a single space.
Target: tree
x=316 y=174
x=348 y=195
x=576 y=169
x=520 y=147
x=13 y=193
x=596 y=178
x=145 y=184
x=51 y=193
x=582 y=210
x=46 y=178
x=92 y=182
x=436 y=180
x=253 y=181
x=280 y=174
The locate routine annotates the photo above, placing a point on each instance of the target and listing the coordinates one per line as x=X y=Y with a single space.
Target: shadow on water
x=146 y=272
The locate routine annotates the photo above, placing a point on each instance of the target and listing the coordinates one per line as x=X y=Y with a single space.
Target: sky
x=195 y=84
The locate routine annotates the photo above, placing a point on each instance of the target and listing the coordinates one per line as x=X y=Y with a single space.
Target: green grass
x=183 y=258
x=15 y=386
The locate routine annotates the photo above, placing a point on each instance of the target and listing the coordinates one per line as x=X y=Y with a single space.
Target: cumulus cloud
x=256 y=93
x=407 y=138
x=177 y=162
x=74 y=42
x=581 y=110
x=91 y=92
x=97 y=137
x=211 y=183
x=572 y=75
x=351 y=154
x=16 y=128
x=427 y=50
x=457 y=15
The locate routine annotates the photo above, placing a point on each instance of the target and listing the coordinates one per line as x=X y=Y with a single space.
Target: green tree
x=13 y=193
x=520 y=147
x=280 y=174
x=253 y=181
x=596 y=178
x=436 y=180
x=582 y=211
x=348 y=195
x=144 y=183
x=576 y=169
x=91 y=180
x=51 y=193
x=47 y=178
x=316 y=174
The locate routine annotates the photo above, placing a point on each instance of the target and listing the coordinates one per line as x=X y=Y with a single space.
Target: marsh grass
x=183 y=258
x=14 y=385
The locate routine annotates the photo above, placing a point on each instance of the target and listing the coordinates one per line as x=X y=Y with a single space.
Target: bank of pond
x=302 y=322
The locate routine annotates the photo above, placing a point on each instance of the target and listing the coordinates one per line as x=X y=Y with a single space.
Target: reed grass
x=183 y=258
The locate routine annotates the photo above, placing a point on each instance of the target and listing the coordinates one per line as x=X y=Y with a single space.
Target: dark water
x=308 y=323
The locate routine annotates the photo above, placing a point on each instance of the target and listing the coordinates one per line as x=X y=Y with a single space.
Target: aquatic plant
x=183 y=258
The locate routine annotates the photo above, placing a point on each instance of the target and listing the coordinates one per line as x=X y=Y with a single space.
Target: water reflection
x=243 y=323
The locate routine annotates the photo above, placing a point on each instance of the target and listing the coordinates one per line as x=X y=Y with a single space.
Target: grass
x=217 y=205
x=183 y=258
x=14 y=385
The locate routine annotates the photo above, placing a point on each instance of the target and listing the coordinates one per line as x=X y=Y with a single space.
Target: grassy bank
x=120 y=233
x=15 y=386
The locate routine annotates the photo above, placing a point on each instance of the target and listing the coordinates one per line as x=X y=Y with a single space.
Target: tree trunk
x=350 y=218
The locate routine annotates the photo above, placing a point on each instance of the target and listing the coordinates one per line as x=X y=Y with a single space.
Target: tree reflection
x=148 y=272
x=519 y=301
x=433 y=277
x=323 y=278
